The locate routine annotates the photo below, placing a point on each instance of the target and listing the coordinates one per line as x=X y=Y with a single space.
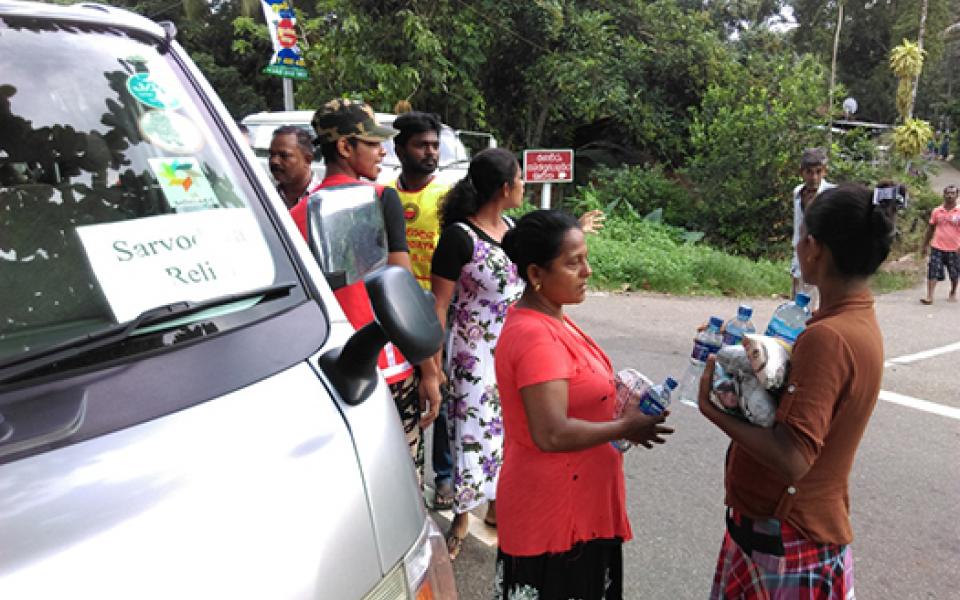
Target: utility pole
x=833 y=75
x=916 y=81
x=287 y=94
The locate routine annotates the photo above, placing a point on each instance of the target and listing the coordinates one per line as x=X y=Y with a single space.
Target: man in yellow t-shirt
x=418 y=148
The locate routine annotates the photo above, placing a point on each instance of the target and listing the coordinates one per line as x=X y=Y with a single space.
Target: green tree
x=870 y=31
x=206 y=31
x=579 y=72
x=734 y=17
x=425 y=52
x=745 y=140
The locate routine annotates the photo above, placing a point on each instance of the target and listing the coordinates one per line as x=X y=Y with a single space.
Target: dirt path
x=946 y=174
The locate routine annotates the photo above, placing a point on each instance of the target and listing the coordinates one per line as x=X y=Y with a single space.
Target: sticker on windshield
x=184 y=185
x=145 y=88
x=192 y=256
x=170 y=132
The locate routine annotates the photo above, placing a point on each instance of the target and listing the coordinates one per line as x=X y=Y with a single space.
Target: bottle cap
x=716 y=323
x=671 y=383
x=744 y=312
x=802 y=299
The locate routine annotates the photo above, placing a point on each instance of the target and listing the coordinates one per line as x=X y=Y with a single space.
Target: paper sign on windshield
x=192 y=256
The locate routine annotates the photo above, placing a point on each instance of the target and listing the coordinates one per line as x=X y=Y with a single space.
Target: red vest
x=353 y=298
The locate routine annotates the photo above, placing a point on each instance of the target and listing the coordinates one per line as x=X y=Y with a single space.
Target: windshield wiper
x=31 y=361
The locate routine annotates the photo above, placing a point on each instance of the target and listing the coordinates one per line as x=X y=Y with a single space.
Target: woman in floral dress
x=474 y=283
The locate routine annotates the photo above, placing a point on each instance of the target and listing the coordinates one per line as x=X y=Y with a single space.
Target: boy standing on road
x=813 y=171
x=943 y=239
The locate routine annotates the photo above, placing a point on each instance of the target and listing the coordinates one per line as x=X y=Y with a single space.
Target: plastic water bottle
x=657 y=397
x=706 y=343
x=735 y=328
x=653 y=401
x=790 y=319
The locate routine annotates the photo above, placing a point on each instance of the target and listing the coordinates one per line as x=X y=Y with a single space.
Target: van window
x=117 y=194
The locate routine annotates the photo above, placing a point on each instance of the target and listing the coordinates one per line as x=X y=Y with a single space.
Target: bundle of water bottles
x=634 y=387
x=751 y=369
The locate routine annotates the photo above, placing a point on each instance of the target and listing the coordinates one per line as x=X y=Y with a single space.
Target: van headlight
x=424 y=574
x=427 y=566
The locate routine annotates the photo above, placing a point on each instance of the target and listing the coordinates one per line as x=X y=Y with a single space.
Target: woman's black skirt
x=589 y=571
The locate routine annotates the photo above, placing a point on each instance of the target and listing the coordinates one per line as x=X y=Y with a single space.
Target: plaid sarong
x=806 y=571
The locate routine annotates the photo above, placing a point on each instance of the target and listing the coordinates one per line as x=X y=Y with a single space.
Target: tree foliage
x=701 y=92
x=384 y=52
x=871 y=29
x=206 y=31
x=745 y=142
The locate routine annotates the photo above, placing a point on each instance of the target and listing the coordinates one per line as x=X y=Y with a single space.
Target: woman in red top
x=560 y=499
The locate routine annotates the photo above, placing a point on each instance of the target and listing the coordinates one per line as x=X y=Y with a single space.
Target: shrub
x=650 y=256
x=854 y=158
x=912 y=223
x=746 y=139
x=637 y=190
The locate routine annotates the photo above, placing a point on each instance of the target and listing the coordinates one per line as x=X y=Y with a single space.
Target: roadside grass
x=892 y=281
x=642 y=255
x=633 y=254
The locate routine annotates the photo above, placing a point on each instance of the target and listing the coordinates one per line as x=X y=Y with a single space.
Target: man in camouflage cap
x=350 y=141
x=343 y=118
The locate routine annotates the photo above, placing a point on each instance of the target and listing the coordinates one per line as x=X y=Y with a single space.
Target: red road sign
x=548 y=166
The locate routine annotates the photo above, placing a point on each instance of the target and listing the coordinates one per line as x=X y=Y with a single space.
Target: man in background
x=291 y=155
x=943 y=240
x=417 y=145
x=813 y=171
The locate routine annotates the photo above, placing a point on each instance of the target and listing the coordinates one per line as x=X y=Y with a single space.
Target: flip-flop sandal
x=925 y=301
x=454 y=545
x=443 y=500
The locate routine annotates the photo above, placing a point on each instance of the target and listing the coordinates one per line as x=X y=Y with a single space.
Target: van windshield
x=116 y=193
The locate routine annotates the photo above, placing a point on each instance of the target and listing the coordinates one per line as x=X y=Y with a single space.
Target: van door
x=162 y=433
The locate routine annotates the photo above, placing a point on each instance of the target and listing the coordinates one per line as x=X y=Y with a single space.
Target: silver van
x=184 y=410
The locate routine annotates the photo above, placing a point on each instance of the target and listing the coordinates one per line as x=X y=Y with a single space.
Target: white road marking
x=917 y=403
x=924 y=405
x=910 y=358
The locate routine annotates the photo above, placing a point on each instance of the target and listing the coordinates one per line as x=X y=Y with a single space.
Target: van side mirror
x=403 y=315
x=345 y=232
